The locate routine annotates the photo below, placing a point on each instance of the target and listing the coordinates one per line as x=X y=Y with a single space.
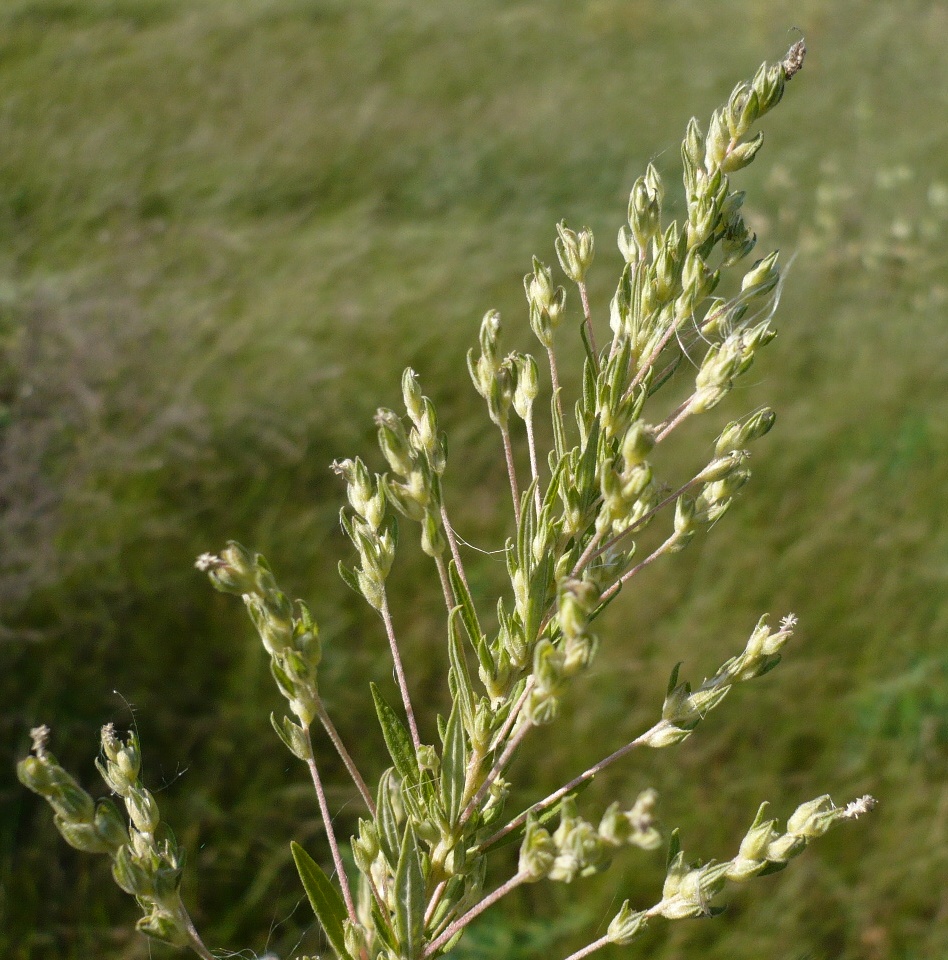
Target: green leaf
x=397 y=740
x=349 y=578
x=466 y=604
x=325 y=899
x=462 y=690
x=453 y=765
x=409 y=897
x=386 y=820
x=674 y=847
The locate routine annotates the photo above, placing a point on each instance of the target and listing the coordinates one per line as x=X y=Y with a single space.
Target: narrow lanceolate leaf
x=462 y=691
x=453 y=766
x=325 y=899
x=397 y=740
x=386 y=820
x=409 y=898
x=466 y=604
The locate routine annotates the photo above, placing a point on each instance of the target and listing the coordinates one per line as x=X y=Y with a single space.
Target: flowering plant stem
x=439 y=810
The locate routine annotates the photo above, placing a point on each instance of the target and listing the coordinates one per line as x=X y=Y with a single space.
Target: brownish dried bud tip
x=793 y=61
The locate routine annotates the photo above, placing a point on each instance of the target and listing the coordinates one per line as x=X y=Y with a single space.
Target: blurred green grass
x=225 y=228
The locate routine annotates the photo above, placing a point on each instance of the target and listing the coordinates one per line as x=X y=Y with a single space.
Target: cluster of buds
x=627 y=486
x=574 y=251
x=146 y=861
x=373 y=533
x=724 y=363
x=289 y=634
x=494 y=379
x=418 y=457
x=546 y=301
x=644 y=216
x=684 y=709
x=721 y=479
x=689 y=889
x=578 y=849
x=555 y=664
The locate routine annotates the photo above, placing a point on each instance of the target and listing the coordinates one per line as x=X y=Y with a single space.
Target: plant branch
x=555 y=380
x=587 y=313
x=572 y=785
x=511 y=473
x=473 y=913
x=196 y=943
x=534 y=469
x=453 y=543
x=330 y=832
x=495 y=771
x=399 y=671
x=629 y=574
x=345 y=756
x=449 y=600
x=591 y=948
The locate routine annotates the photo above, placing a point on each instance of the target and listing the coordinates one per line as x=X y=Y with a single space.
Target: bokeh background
x=225 y=228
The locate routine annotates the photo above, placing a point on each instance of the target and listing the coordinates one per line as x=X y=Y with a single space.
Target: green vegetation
x=223 y=222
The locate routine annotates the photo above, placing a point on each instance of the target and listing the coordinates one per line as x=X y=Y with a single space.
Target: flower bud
x=626 y=925
x=637 y=443
x=574 y=250
x=537 y=852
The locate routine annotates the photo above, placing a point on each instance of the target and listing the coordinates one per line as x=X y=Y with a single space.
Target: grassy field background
x=225 y=228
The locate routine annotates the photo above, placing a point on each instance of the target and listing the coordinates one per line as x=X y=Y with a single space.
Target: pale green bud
x=626 y=925
x=411 y=393
x=574 y=250
x=814 y=818
x=717 y=141
x=693 y=144
x=645 y=209
x=160 y=925
x=763 y=276
x=432 y=538
x=393 y=441
x=83 y=836
x=737 y=435
x=142 y=809
x=580 y=650
x=537 y=852
x=664 y=734
x=427 y=758
x=627 y=247
x=741 y=155
x=637 y=443
x=131 y=875
x=355 y=939
x=528 y=384
x=785 y=848
x=721 y=467
x=743 y=108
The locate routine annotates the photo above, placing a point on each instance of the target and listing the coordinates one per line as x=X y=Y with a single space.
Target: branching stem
x=511 y=473
x=572 y=785
x=453 y=544
x=399 y=671
x=345 y=756
x=473 y=913
x=587 y=313
x=330 y=832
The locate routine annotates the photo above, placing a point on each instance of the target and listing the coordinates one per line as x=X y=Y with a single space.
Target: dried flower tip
x=857 y=808
x=208 y=561
x=40 y=737
x=789 y=622
x=793 y=61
